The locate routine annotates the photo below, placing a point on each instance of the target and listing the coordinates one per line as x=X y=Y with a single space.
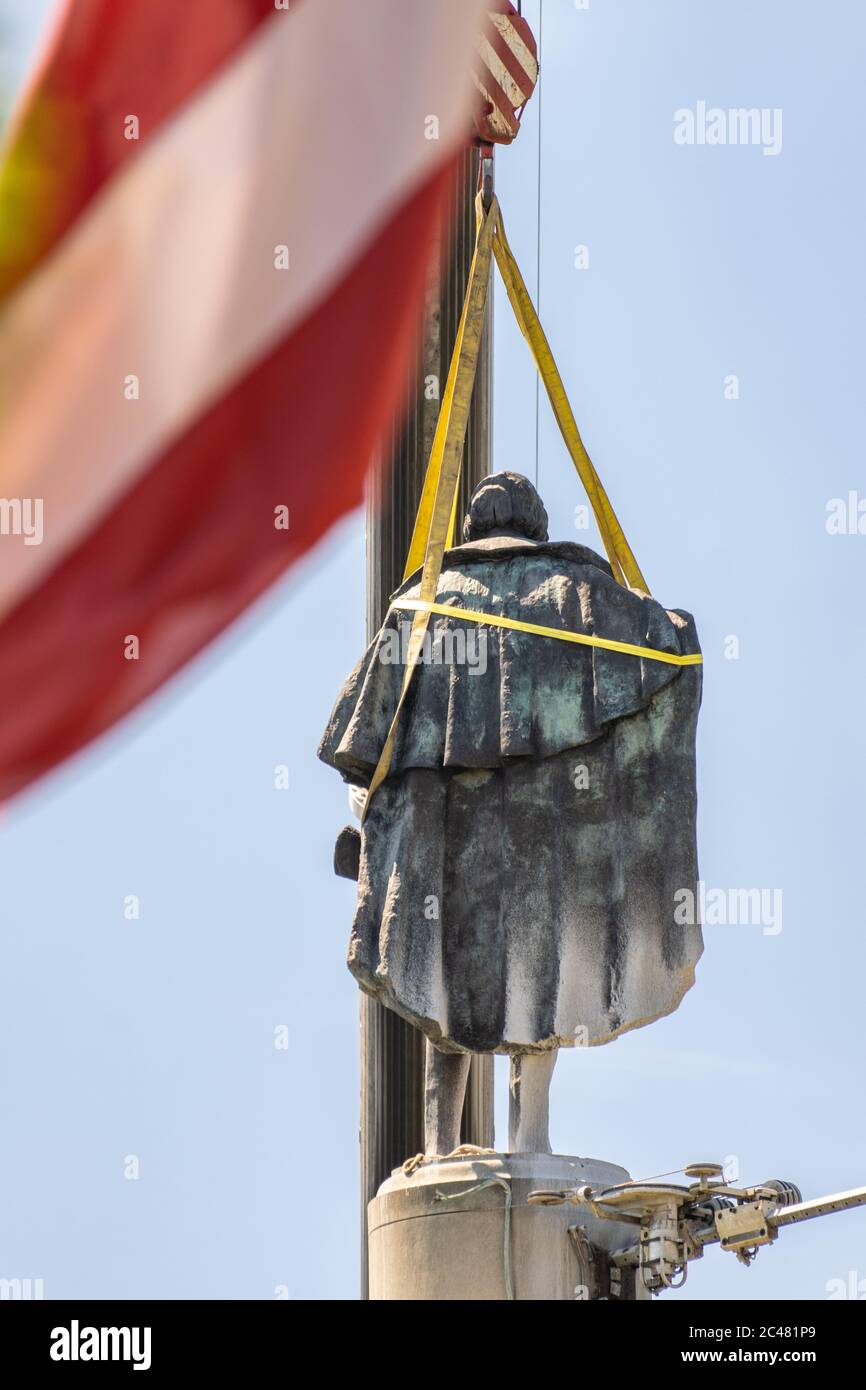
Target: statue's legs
x=445 y=1089
x=529 y=1102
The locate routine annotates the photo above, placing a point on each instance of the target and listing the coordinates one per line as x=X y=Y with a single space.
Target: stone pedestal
x=461 y=1229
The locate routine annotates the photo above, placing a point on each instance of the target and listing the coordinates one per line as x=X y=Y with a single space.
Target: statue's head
x=505 y=504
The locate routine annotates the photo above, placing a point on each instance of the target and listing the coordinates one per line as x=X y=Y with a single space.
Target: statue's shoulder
x=552 y=557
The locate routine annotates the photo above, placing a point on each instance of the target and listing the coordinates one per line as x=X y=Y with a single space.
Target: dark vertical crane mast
x=392 y=1051
x=505 y=74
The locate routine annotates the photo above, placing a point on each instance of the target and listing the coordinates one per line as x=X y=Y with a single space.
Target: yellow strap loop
x=450 y=610
x=446 y=456
x=457 y=376
x=619 y=553
x=436 y=516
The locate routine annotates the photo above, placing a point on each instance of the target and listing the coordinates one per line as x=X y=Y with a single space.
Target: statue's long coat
x=519 y=864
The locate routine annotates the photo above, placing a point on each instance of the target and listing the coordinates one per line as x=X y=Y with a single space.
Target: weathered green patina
x=519 y=865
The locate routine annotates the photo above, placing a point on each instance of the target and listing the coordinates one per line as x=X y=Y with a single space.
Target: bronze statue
x=517 y=868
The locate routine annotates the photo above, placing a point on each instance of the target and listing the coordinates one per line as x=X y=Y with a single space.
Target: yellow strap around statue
x=622 y=560
x=619 y=552
x=443 y=473
x=435 y=520
x=471 y=615
x=421 y=529
x=457 y=375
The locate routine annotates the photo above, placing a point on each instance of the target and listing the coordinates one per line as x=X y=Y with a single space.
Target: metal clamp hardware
x=677 y=1220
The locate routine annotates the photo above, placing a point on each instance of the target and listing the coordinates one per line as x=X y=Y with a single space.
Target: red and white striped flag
x=215 y=223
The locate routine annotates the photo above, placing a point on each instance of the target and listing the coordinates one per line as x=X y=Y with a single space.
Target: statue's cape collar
x=508 y=548
x=491 y=695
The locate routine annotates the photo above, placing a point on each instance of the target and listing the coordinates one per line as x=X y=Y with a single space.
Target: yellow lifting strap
x=619 y=553
x=583 y=639
x=625 y=567
x=434 y=522
x=446 y=456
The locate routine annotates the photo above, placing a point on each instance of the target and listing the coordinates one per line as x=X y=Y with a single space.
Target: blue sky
x=155 y=1037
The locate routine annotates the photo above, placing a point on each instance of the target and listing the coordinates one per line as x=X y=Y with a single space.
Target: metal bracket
x=486 y=175
x=676 y=1221
x=744 y=1227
